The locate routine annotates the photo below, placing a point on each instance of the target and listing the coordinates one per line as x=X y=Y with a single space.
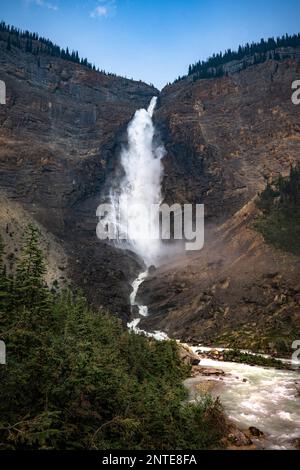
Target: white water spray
x=140 y=189
x=143 y=310
x=136 y=202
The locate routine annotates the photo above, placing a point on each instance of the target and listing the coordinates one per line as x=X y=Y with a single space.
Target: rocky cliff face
x=60 y=135
x=236 y=292
x=225 y=139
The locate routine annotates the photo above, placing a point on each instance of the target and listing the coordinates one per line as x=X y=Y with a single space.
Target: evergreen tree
x=6 y=284
x=3 y=286
x=28 y=47
x=8 y=45
x=280 y=203
x=262 y=51
x=31 y=291
x=32 y=43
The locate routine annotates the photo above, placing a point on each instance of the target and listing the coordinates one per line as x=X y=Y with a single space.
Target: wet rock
x=296 y=443
x=206 y=371
x=255 y=431
x=151 y=269
x=134 y=310
x=238 y=438
x=297 y=387
x=215 y=352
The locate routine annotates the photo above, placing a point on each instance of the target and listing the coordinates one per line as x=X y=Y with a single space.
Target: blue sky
x=152 y=40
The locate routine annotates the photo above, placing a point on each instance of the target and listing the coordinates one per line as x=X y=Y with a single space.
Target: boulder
x=255 y=431
x=188 y=356
x=206 y=371
x=238 y=438
x=296 y=443
x=151 y=269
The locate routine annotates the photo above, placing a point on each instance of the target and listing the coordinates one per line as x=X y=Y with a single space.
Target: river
x=263 y=397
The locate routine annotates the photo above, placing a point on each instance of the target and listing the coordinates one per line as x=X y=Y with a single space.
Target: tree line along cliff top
x=215 y=66
x=247 y=55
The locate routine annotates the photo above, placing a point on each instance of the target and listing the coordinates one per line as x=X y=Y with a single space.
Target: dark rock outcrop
x=255 y=431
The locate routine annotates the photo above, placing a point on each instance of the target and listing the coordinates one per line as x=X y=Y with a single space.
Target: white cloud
x=43 y=3
x=52 y=7
x=105 y=9
x=99 y=11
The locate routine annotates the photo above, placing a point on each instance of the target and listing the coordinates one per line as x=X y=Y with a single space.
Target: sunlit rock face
x=226 y=137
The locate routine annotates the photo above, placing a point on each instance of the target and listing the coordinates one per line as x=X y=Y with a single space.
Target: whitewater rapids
x=263 y=397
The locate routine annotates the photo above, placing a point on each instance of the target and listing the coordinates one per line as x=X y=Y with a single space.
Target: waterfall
x=136 y=203
x=143 y=310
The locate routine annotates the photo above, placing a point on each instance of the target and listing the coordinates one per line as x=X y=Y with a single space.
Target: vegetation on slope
x=235 y=355
x=35 y=44
x=258 y=52
x=280 y=205
x=75 y=379
x=32 y=43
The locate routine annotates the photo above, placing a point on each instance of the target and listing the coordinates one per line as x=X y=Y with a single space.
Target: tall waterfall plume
x=136 y=203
